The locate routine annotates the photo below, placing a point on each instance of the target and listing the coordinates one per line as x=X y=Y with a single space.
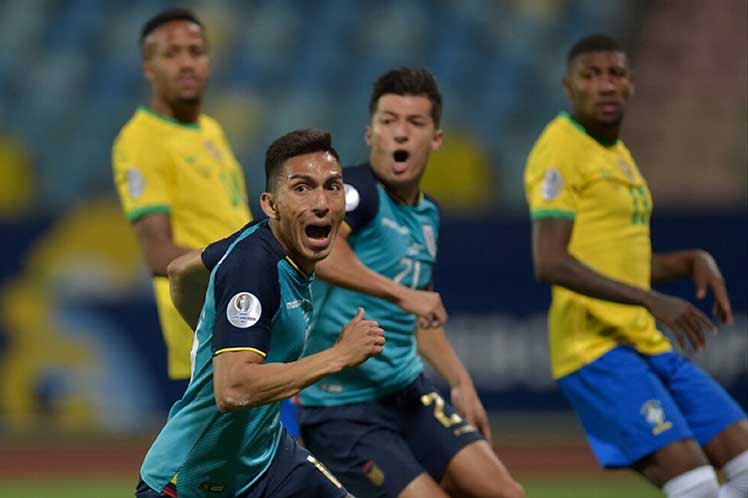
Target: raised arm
x=188 y=281
x=343 y=268
x=554 y=265
x=434 y=347
x=241 y=379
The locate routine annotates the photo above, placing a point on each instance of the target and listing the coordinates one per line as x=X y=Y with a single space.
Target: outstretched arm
x=435 y=348
x=241 y=379
x=554 y=265
x=188 y=281
x=343 y=268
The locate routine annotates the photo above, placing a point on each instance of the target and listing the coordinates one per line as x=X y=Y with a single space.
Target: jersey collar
x=581 y=128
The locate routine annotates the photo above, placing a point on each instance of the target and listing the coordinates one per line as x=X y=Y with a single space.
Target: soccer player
x=381 y=427
x=642 y=404
x=179 y=183
x=223 y=438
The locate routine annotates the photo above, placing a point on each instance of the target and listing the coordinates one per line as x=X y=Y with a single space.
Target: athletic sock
x=700 y=482
x=736 y=477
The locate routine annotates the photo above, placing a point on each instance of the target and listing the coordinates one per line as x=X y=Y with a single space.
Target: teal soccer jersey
x=257 y=300
x=395 y=240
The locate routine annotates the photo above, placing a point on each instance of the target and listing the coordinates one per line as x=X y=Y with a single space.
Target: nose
x=401 y=133
x=321 y=204
x=607 y=85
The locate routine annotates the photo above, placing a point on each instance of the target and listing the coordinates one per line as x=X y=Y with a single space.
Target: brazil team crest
x=625 y=168
x=430 y=238
x=654 y=414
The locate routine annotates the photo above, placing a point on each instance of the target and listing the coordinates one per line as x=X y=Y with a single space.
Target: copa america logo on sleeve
x=243 y=310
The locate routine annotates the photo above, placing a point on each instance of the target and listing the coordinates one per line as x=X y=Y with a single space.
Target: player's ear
x=367 y=135
x=438 y=139
x=567 y=87
x=268 y=205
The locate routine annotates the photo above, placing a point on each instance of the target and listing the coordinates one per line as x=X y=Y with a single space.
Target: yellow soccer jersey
x=570 y=175
x=188 y=171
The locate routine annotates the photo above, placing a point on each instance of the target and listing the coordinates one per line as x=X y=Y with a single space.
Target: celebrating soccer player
x=224 y=438
x=642 y=405
x=382 y=427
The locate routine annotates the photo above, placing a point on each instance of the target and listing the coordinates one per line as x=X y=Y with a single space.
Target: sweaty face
x=176 y=62
x=310 y=204
x=402 y=134
x=598 y=85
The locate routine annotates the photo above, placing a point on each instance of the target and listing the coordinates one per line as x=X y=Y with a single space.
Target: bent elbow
x=545 y=272
x=228 y=401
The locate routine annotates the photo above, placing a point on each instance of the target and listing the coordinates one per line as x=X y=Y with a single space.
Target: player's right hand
x=686 y=321
x=426 y=305
x=360 y=340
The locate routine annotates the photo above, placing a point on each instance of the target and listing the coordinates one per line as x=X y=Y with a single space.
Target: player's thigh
x=423 y=486
x=476 y=472
x=296 y=473
x=372 y=461
x=716 y=420
x=626 y=411
x=671 y=461
x=433 y=429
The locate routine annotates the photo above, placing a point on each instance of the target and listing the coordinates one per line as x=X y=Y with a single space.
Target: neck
x=604 y=133
x=185 y=112
x=306 y=266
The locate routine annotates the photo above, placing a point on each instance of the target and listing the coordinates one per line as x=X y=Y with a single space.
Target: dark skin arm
x=703 y=270
x=554 y=265
x=153 y=232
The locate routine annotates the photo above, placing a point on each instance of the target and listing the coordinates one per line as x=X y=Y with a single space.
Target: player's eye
x=335 y=186
x=301 y=188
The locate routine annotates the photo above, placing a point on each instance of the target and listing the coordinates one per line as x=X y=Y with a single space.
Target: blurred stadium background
x=82 y=377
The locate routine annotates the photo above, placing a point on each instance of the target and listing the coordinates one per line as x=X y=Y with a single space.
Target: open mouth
x=400 y=156
x=401 y=161
x=318 y=232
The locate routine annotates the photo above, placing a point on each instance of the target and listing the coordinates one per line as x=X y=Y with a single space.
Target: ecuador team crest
x=430 y=238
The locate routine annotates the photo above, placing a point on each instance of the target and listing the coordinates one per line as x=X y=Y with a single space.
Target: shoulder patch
x=352 y=197
x=135 y=182
x=243 y=310
x=553 y=183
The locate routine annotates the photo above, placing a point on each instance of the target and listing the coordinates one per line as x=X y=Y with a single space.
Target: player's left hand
x=468 y=404
x=706 y=275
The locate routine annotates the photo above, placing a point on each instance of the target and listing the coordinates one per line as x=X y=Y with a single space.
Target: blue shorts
x=288 y=416
x=293 y=473
x=378 y=447
x=632 y=404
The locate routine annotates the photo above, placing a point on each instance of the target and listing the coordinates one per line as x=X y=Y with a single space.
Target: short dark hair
x=594 y=43
x=165 y=16
x=295 y=143
x=408 y=81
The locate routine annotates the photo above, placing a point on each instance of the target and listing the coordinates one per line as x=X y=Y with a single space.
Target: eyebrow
x=300 y=176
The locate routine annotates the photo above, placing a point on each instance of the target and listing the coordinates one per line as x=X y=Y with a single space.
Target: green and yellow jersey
x=570 y=175
x=188 y=171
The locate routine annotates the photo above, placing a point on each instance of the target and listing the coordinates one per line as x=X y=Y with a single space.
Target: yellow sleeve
x=144 y=177
x=552 y=183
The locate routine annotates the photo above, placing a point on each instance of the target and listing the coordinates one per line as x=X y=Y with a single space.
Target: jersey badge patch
x=625 y=168
x=213 y=150
x=243 y=310
x=352 y=197
x=553 y=183
x=135 y=183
